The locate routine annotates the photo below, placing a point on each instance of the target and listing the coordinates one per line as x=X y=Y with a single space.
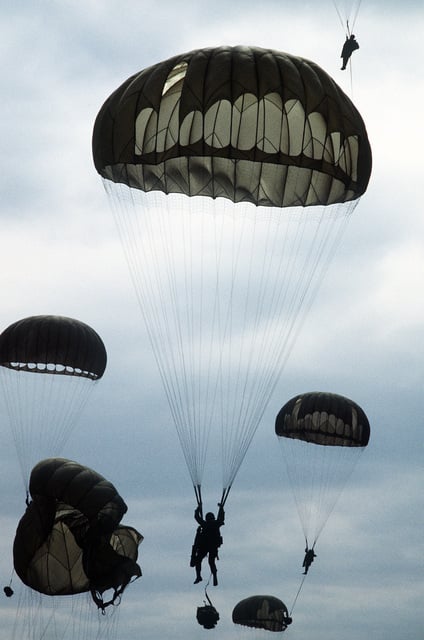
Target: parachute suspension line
x=43 y=411
x=351 y=78
x=276 y=308
x=355 y=15
x=290 y=306
x=153 y=232
x=198 y=493
x=349 y=17
x=270 y=300
x=317 y=475
x=343 y=468
x=243 y=284
x=40 y=616
x=130 y=230
x=297 y=594
x=206 y=593
x=235 y=361
x=342 y=22
x=324 y=248
x=224 y=496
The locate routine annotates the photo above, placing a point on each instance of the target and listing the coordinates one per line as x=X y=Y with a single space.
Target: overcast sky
x=363 y=337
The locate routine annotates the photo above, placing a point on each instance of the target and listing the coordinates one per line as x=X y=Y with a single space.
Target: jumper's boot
x=198 y=575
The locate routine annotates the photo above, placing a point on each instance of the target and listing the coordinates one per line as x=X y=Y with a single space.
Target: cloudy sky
x=362 y=338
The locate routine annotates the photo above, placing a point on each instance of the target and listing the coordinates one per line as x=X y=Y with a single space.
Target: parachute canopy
x=69 y=540
x=243 y=123
x=321 y=437
x=49 y=366
x=231 y=173
x=262 y=612
x=53 y=344
x=323 y=418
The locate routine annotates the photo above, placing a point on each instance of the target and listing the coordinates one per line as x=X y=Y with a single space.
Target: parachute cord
x=206 y=593
x=297 y=594
x=338 y=13
x=351 y=79
x=348 y=31
x=346 y=27
x=224 y=496
x=198 y=493
x=356 y=14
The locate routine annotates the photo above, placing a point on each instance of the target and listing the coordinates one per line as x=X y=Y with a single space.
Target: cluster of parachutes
x=232 y=173
x=69 y=540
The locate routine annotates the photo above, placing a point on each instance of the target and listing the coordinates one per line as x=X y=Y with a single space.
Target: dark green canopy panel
x=53 y=344
x=262 y=612
x=323 y=418
x=69 y=540
x=243 y=123
x=85 y=489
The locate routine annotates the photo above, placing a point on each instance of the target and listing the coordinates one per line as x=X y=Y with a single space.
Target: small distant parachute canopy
x=323 y=418
x=262 y=612
x=53 y=344
x=207 y=616
x=69 y=540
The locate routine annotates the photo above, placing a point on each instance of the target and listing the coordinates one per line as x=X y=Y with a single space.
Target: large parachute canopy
x=243 y=123
x=231 y=172
x=70 y=539
x=48 y=367
x=321 y=437
x=262 y=612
